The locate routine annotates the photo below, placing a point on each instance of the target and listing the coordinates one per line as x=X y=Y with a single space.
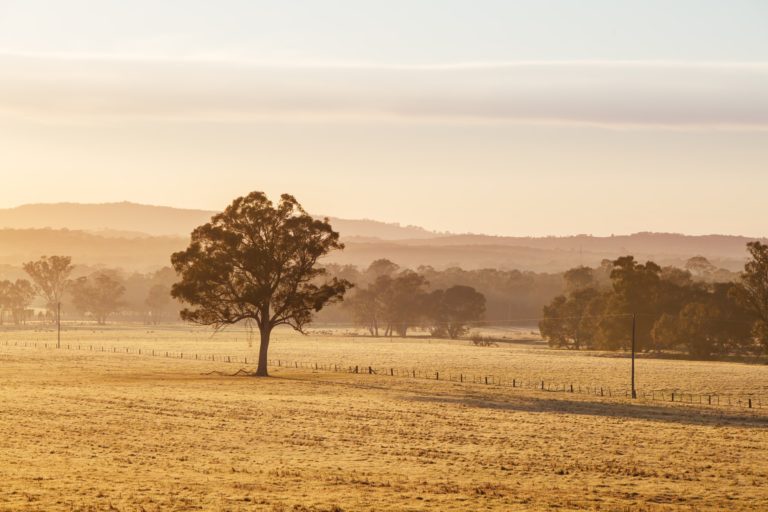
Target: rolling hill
x=141 y=237
x=131 y=219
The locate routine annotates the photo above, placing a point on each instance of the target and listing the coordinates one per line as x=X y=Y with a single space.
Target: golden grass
x=101 y=431
x=529 y=363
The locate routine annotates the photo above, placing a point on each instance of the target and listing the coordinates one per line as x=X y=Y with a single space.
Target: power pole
x=58 y=322
x=634 y=321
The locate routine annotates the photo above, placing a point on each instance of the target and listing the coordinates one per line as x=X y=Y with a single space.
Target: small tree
x=20 y=295
x=403 y=301
x=453 y=309
x=256 y=262
x=51 y=278
x=100 y=295
x=160 y=303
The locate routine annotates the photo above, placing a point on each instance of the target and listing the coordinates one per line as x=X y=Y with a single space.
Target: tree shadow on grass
x=635 y=411
x=525 y=402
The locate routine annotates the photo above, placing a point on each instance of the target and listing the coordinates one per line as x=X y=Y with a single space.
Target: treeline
x=388 y=300
x=670 y=309
x=87 y=294
x=508 y=293
x=392 y=301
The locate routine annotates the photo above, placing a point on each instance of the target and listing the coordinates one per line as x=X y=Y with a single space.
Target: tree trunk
x=261 y=370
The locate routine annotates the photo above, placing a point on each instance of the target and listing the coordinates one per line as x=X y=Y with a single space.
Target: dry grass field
x=82 y=430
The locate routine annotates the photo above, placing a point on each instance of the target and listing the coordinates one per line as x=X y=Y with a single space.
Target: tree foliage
x=672 y=310
x=752 y=291
x=451 y=311
x=15 y=299
x=394 y=302
x=50 y=276
x=100 y=295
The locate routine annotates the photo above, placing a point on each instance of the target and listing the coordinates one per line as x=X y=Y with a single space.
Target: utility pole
x=58 y=322
x=634 y=321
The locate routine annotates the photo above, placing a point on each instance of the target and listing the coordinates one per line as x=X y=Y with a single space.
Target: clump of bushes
x=479 y=340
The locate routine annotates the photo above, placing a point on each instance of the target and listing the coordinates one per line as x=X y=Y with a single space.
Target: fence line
x=665 y=395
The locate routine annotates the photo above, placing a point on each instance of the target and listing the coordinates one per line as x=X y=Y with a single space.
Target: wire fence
x=662 y=395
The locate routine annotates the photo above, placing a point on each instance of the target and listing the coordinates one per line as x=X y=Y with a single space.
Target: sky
x=541 y=117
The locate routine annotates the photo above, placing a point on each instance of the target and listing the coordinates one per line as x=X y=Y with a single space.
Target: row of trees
x=96 y=295
x=671 y=310
x=396 y=301
x=508 y=293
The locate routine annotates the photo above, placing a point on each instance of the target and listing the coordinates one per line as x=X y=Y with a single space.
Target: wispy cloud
x=96 y=88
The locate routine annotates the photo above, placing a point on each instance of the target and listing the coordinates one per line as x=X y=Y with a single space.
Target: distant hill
x=140 y=237
x=147 y=253
x=136 y=219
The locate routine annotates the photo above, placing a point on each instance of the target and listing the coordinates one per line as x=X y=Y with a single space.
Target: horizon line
x=441 y=233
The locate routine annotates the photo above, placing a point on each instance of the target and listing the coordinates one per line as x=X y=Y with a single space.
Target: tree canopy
x=100 y=295
x=672 y=310
x=50 y=276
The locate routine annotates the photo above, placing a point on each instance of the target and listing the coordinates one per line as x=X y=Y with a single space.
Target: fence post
x=542 y=385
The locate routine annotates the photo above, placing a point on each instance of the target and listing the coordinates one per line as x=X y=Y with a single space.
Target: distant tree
x=100 y=295
x=258 y=262
x=369 y=305
x=568 y=322
x=451 y=311
x=666 y=332
x=635 y=291
x=552 y=326
x=5 y=287
x=700 y=267
x=381 y=267
x=51 y=278
x=752 y=291
x=20 y=296
x=403 y=300
x=160 y=303
x=579 y=278
x=366 y=307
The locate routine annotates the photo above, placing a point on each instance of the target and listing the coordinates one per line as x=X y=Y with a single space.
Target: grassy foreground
x=105 y=431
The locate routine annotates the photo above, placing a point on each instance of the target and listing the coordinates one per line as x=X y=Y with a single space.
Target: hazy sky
x=505 y=117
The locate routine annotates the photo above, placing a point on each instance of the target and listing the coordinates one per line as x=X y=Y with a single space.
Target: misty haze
x=364 y=256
